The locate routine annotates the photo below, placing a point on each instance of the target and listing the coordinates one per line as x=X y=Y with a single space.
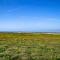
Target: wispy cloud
x=12 y=10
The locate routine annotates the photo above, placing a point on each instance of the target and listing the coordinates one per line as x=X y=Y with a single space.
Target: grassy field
x=29 y=46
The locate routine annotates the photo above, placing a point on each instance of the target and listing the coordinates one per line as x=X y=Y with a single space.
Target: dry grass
x=24 y=46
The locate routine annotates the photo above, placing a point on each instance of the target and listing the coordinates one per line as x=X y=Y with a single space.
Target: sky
x=30 y=15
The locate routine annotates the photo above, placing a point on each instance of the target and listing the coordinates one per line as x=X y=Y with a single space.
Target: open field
x=29 y=46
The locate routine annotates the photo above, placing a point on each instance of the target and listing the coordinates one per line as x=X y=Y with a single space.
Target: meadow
x=29 y=46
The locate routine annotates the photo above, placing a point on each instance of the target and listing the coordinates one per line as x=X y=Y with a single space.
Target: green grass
x=29 y=46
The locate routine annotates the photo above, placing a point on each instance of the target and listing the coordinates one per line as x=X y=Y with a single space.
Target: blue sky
x=30 y=15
